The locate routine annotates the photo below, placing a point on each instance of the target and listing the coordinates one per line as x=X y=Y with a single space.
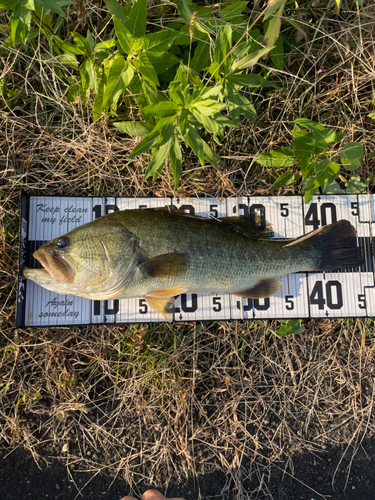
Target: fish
x=159 y=253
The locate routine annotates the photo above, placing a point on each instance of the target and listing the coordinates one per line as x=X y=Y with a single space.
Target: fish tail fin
x=336 y=246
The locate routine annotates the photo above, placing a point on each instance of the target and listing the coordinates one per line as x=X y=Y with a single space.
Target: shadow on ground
x=333 y=475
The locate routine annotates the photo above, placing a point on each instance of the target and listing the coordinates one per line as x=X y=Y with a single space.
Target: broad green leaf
x=158 y=158
x=201 y=148
x=351 y=156
x=331 y=188
x=307 y=166
x=277 y=54
x=321 y=136
x=302 y=149
x=355 y=185
x=115 y=82
x=234 y=8
x=107 y=44
x=136 y=129
x=182 y=76
x=151 y=94
x=29 y=4
x=125 y=39
x=97 y=110
x=90 y=40
x=177 y=95
x=208 y=123
x=158 y=43
x=250 y=60
x=154 y=137
x=239 y=105
x=163 y=109
x=68 y=47
x=326 y=171
x=7 y=4
x=115 y=10
x=277 y=159
x=245 y=48
x=136 y=21
x=144 y=66
x=54 y=5
x=223 y=45
x=305 y=122
x=147 y=143
x=163 y=63
x=193 y=140
x=273 y=30
x=284 y=180
x=249 y=80
x=273 y=6
x=88 y=74
x=184 y=11
x=213 y=91
x=183 y=122
x=309 y=195
x=16 y=27
x=207 y=109
x=81 y=42
x=291 y=327
x=69 y=60
x=175 y=157
x=201 y=57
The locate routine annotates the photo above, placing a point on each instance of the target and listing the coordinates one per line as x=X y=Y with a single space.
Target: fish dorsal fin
x=264 y=288
x=250 y=226
x=165 y=265
x=162 y=305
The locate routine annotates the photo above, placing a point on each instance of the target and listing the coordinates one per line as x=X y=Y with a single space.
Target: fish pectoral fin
x=264 y=288
x=162 y=305
x=165 y=265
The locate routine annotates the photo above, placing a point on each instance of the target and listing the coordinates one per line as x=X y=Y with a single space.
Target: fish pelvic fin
x=264 y=288
x=336 y=246
x=163 y=306
x=165 y=265
x=162 y=301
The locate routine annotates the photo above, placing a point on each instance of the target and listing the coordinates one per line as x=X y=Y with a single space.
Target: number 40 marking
x=317 y=295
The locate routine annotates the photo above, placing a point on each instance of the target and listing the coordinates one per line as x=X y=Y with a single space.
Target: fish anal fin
x=165 y=265
x=264 y=288
x=162 y=305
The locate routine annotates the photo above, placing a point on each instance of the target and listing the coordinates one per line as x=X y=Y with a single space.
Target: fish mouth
x=55 y=269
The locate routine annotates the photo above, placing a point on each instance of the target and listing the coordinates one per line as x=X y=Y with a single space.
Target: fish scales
x=159 y=253
x=220 y=259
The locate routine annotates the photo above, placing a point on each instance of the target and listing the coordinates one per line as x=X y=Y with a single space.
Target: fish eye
x=62 y=243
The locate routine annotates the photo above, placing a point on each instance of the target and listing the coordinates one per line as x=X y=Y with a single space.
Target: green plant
x=186 y=80
x=314 y=151
x=290 y=327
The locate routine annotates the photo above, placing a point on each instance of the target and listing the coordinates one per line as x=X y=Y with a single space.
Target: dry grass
x=154 y=401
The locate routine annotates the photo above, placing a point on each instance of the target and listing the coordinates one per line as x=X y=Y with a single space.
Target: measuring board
x=350 y=293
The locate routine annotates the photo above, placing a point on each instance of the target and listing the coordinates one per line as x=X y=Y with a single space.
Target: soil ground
x=21 y=477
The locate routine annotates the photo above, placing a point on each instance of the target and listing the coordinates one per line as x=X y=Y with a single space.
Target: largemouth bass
x=160 y=253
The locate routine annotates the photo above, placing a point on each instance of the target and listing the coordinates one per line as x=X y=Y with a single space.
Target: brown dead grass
x=174 y=401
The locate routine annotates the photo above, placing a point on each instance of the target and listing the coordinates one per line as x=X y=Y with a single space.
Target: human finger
x=156 y=495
